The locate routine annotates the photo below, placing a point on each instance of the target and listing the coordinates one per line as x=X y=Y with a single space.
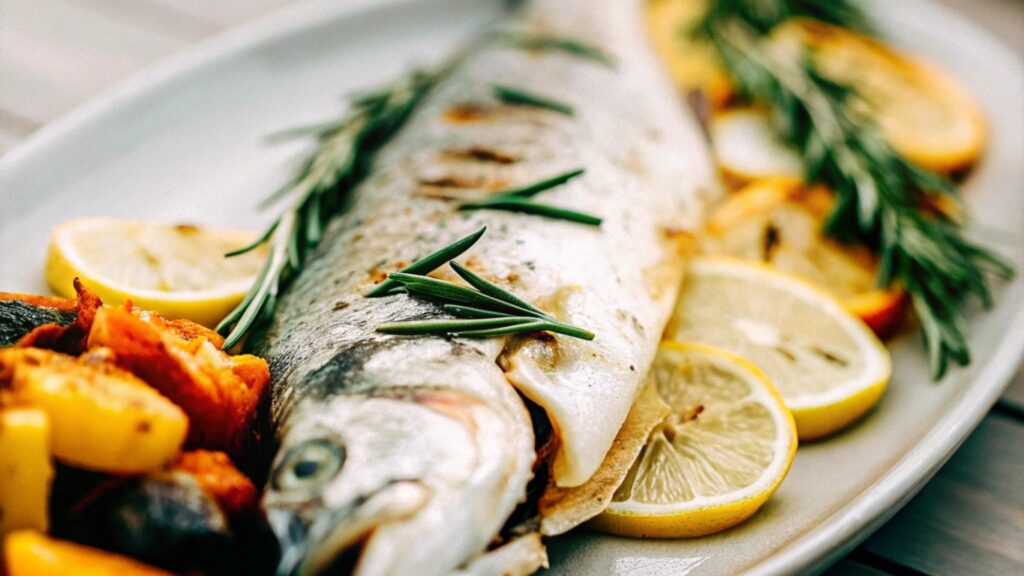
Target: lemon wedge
x=747 y=147
x=721 y=454
x=828 y=365
x=779 y=222
x=177 y=270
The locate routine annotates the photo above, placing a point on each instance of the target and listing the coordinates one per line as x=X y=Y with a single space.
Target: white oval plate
x=184 y=142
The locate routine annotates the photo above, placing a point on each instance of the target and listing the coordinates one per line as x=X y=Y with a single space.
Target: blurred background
x=56 y=54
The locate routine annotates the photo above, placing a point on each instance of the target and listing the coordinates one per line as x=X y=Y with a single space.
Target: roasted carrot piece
x=215 y=472
x=69 y=338
x=220 y=393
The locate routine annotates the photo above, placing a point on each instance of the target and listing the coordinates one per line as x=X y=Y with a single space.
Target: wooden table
x=55 y=54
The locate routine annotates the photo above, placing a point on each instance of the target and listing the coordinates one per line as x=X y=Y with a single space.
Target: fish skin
x=436 y=447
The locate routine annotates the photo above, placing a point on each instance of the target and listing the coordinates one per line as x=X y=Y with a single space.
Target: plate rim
x=813 y=551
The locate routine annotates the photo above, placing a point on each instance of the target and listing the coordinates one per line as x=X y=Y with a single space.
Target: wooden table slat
x=970 y=518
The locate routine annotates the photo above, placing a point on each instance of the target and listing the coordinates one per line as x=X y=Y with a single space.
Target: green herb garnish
x=519 y=199
x=558 y=43
x=428 y=264
x=344 y=154
x=510 y=95
x=878 y=190
x=482 y=311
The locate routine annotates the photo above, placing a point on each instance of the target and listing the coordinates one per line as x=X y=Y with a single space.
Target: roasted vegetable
x=166 y=519
x=32 y=554
x=233 y=491
x=220 y=393
x=102 y=418
x=25 y=469
x=21 y=314
x=68 y=338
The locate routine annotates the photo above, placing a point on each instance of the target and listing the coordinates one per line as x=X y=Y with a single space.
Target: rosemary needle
x=564 y=44
x=519 y=200
x=518 y=96
x=429 y=263
x=528 y=207
x=481 y=309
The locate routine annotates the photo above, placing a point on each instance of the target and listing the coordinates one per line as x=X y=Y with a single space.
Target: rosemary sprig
x=344 y=154
x=511 y=95
x=877 y=189
x=429 y=263
x=763 y=15
x=544 y=42
x=481 y=310
x=519 y=199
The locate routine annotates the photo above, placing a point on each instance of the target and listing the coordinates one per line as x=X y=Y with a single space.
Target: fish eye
x=309 y=465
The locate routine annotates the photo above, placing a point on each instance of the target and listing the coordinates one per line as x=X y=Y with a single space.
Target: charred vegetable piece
x=101 y=417
x=25 y=469
x=165 y=519
x=33 y=554
x=233 y=491
x=68 y=338
x=19 y=316
x=220 y=393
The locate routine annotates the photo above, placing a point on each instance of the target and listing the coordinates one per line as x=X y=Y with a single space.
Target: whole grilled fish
x=407 y=455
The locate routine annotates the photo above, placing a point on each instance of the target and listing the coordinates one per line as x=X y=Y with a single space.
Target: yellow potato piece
x=25 y=469
x=31 y=554
x=101 y=418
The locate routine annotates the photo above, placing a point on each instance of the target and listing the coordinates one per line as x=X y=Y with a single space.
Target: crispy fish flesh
x=406 y=455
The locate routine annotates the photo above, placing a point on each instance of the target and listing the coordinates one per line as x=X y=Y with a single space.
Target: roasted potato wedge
x=25 y=469
x=101 y=417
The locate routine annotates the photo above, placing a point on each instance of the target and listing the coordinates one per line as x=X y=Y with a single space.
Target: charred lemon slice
x=925 y=114
x=779 y=222
x=178 y=271
x=718 y=457
x=827 y=364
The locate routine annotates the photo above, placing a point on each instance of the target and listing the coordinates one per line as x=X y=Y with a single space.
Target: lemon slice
x=828 y=365
x=179 y=271
x=923 y=112
x=720 y=455
x=779 y=222
x=747 y=147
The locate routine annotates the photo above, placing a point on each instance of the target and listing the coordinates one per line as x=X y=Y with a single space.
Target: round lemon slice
x=779 y=222
x=177 y=270
x=828 y=365
x=720 y=455
x=747 y=147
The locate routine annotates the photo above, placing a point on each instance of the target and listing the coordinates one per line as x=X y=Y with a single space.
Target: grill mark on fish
x=482 y=154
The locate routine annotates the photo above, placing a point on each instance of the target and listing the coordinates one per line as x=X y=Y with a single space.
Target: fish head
x=396 y=481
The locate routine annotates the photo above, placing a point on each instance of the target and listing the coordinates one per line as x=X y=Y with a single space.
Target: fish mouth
x=334 y=539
